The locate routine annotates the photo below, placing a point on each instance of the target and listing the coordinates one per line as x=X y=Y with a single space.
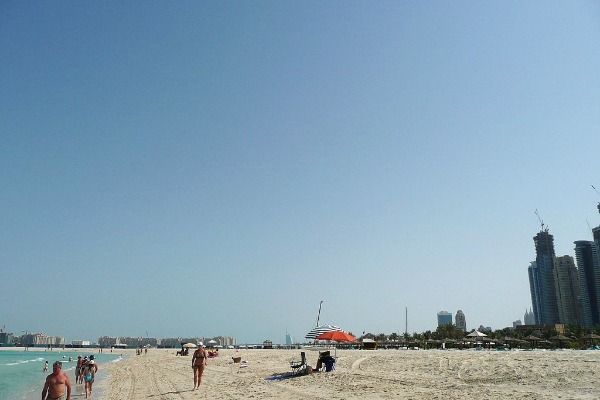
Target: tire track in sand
x=158 y=379
x=124 y=381
x=356 y=364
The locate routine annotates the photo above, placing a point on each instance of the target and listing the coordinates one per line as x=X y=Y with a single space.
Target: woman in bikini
x=198 y=364
x=89 y=375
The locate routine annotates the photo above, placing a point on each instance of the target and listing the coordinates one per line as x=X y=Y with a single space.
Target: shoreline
x=33 y=391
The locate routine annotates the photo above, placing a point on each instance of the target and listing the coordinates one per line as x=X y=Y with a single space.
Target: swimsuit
x=89 y=376
x=201 y=358
x=61 y=397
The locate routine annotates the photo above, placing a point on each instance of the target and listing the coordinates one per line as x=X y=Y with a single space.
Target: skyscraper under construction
x=541 y=279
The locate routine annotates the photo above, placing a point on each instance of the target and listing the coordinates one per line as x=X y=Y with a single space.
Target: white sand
x=382 y=374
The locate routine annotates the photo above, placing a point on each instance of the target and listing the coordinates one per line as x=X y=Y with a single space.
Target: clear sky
x=219 y=168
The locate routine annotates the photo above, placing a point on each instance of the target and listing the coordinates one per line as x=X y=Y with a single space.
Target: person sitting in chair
x=325 y=360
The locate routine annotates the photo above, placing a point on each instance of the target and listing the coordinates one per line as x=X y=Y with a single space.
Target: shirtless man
x=78 y=369
x=198 y=364
x=58 y=385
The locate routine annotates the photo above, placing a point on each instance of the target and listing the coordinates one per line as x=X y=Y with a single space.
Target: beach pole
x=405 y=320
x=318 y=317
x=319 y=314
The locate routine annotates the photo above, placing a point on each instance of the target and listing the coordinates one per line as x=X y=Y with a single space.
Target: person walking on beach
x=58 y=385
x=198 y=364
x=78 y=370
x=90 y=373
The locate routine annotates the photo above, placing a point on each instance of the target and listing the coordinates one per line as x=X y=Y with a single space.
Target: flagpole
x=319 y=315
x=406 y=320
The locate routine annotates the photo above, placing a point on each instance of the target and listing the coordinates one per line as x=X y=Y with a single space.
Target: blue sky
x=218 y=168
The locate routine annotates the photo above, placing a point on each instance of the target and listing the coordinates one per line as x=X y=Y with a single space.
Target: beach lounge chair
x=299 y=367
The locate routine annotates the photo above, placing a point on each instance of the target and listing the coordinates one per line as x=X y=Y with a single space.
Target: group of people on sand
x=85 y=373
x=139 y=352
x=58 y=384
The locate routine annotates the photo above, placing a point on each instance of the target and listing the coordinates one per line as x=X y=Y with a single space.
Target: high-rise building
x=541 y=280
x=588 y=266
x=566 y=287
x=596 y=235
x=528 y=317
x=444 y=318
x=517 y=323
x=461 y=321
x=534 y=289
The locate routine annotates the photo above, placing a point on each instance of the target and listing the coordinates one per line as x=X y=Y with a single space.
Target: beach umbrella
x=190 y=345
x=321 y=329
x=338 y=336
x=476 y=334
x=591 y=337
x=512 y=341
x=532 y=339
x=560 y=339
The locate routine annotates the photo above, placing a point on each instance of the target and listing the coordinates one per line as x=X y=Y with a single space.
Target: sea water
x=22 y=376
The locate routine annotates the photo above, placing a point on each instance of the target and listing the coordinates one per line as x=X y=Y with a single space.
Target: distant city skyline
x=562 y=290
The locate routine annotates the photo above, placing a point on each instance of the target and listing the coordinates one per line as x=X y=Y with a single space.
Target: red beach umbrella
x=337 y=336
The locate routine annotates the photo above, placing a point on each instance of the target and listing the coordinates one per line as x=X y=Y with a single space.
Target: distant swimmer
x=46 y=366
x=58 y=385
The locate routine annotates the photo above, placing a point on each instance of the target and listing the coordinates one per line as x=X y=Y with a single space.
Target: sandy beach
x=360 y=374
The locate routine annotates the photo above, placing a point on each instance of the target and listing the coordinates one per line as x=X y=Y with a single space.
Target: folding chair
x=299 y=367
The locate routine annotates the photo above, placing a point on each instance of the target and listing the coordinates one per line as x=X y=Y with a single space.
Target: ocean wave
x=19 y=362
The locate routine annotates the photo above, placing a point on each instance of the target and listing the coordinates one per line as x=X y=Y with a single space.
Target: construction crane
x=541 y=222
